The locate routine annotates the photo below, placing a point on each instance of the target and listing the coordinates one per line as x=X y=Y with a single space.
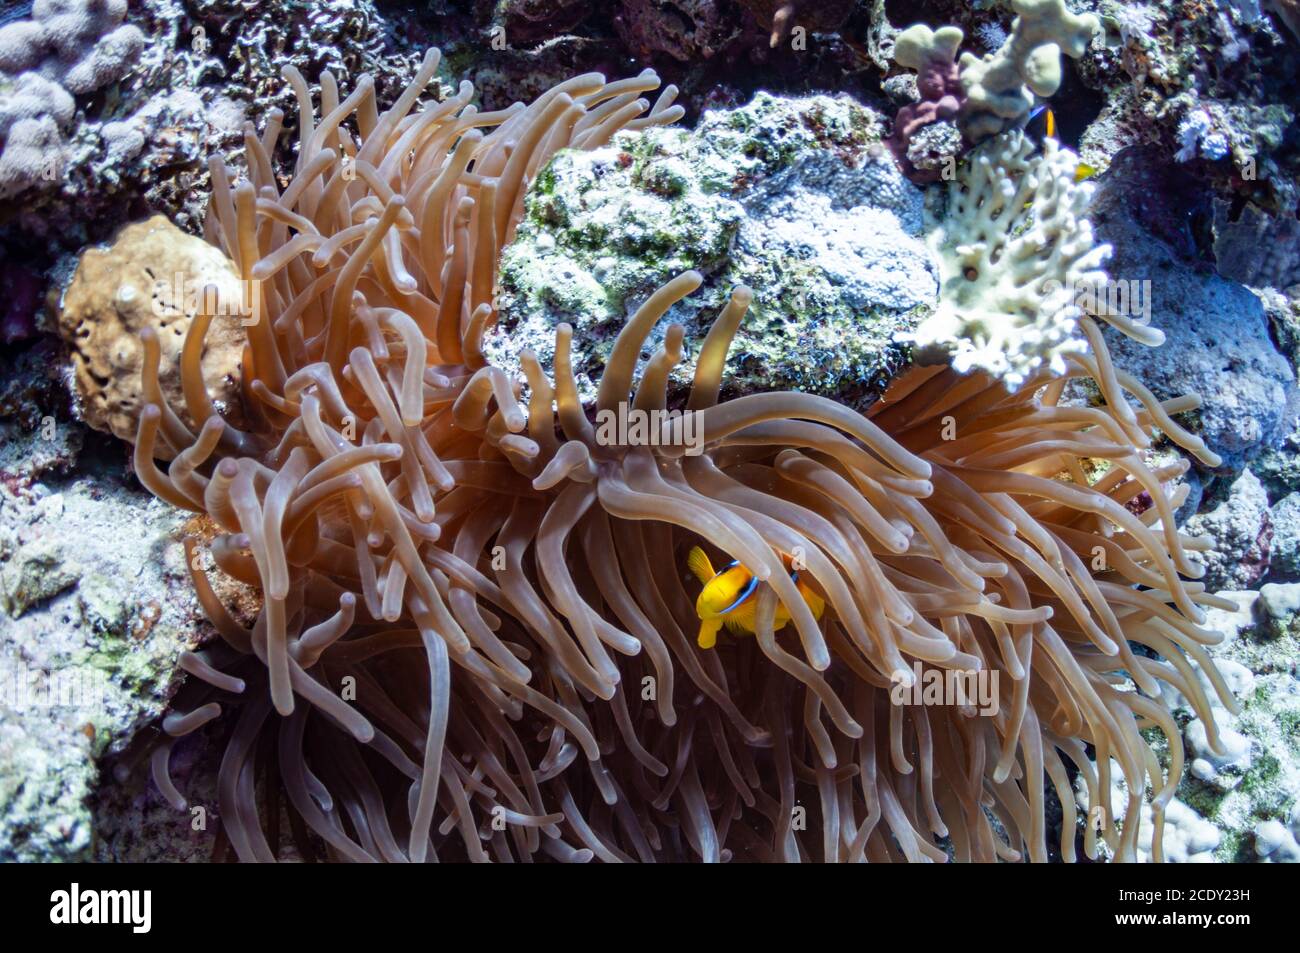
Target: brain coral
x=476 y=641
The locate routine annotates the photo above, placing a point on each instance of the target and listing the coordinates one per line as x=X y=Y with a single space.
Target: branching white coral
x=1014 y=251
x=1000 y=87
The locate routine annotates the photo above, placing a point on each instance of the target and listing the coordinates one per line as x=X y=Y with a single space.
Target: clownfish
x=728 y=598
x=1047 y=130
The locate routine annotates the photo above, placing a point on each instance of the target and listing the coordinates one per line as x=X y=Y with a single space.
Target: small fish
x=1042 y=125
x=728 y=598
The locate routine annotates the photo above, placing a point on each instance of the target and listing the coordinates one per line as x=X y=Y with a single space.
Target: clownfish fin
x=743 y=619
x=737 y=626
x=816 y=604
x=698 y=563
x=708 y=636
x=1050 y=123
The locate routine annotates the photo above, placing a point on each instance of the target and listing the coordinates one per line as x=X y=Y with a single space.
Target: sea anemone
x=475 y=640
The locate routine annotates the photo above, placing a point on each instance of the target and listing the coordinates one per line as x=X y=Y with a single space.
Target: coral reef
x=1239 y=803
x=1258 y=250
x=1251 y=793
x=776 y=221
x=1284 y=548
x=1212 y=85
x=395 y=478
x=68 y=47
x=964 y=103
x=933 y=54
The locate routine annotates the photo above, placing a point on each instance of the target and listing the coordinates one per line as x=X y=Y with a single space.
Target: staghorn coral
x=498 y=583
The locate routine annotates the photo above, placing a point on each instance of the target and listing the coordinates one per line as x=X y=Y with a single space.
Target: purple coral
x=933 y=54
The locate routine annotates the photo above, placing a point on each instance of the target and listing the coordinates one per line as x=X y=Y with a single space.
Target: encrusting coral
x=476 y=638
x=933 y=54
x=109 y=302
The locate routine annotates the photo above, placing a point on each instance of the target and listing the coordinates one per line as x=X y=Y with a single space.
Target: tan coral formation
x=1000 y=87
x=919 y=47
x=119 y=291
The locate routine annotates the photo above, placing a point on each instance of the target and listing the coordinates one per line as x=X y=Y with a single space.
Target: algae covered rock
x=1238 y=798
x=99 y=610
x=34 y=573
x=1207 y=83
x=152 y=276
x=1242 y=534
x=1284 y=558
x=1254 y=779
x=797 y=199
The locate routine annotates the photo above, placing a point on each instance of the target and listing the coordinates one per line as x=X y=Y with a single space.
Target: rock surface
x=88 y=645
x=1217 y=340
x=795 y=198
x=1242 y=531
x=1237 y=804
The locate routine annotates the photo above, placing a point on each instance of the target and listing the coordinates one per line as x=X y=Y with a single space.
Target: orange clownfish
x=728 y=598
